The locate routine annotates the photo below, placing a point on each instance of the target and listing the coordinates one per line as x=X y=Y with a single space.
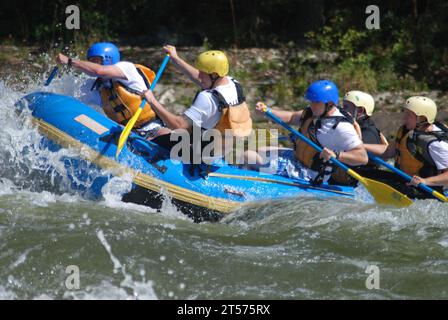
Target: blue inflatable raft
x=206 y=193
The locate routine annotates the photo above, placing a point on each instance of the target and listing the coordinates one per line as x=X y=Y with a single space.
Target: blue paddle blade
x=52 y=75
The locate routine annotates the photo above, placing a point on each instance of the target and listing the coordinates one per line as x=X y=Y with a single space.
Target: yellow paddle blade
x=383 y=193
x=127 y=130
x=439 y=196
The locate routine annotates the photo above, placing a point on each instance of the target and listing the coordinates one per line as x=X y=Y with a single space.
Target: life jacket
x=412 y=150
x=233 y=117
x=120 y=102
x=369 y=135
x=305 y=153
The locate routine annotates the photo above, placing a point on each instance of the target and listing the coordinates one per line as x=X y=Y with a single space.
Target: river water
x=297 y=249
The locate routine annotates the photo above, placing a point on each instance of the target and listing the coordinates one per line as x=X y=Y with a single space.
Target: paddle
x=52 y=75
x=408 y=178
x=127 y=130
x=382 y=193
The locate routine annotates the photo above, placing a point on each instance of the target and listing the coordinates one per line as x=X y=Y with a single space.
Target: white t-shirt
x=204 y=112
x=343 y=138
x=134 y=81
x=439 y=152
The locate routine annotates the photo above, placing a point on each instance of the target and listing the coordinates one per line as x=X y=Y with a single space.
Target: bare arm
x=377 y=149
x=355 y=157
x=380 y=149
x=295 y=118
x=172 y=120
x=96 y=70
x=93 y=69
x=439 y=180
x=290 y=117
x=187 y=69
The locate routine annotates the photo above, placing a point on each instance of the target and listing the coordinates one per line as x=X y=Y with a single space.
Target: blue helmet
x=322 y=91
x=106 y=50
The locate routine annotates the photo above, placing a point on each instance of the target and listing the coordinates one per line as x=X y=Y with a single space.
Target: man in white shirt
x=204 y=112
x=217 y=89
x=118 y=86
x=210 y=73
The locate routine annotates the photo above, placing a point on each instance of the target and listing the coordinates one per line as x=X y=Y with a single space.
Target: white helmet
x=423 y=107
x=361 y=100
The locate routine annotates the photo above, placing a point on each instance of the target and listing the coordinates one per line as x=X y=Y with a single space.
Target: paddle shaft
x=159 y=74
x=127 y=130
x=52 y=75
x=407 y=177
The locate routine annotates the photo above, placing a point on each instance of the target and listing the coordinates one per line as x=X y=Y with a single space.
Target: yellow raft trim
x=139 y=178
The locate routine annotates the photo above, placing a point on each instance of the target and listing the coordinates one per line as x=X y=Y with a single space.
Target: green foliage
x=355 y=73
x=372 y=60
x=409 y=51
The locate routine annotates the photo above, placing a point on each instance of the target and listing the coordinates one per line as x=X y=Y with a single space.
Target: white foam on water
x=107 y=291
x=20 y=149
x=140 y=290
x=44 y=199
x=24 y=162
x=116 y=262
x=444 y=242
x=44 y=297
x=422 y=213
x=363 y=195
x=6 y=294
x=169 y=209
x=6 y=186
x=114 y=190
x=21 y=259
x=116 y=187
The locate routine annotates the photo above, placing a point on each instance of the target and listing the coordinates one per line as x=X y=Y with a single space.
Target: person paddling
x=421 y=146
x=117 y=87
x=325 y=124
x=360 y=106
x=217 y=105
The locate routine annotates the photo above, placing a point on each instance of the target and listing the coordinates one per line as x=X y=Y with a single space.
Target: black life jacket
x=412 y=150
x=370 y=133
x=308 y=126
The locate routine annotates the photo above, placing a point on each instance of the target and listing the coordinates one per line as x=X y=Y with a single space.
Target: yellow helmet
x=213 y=61
x=422 y=106
x=362 y=100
